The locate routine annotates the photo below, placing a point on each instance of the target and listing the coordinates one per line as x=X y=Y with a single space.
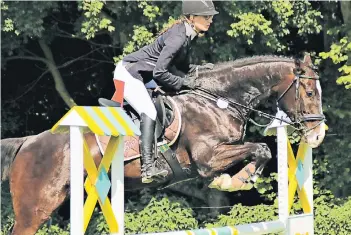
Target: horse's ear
x=307 y=59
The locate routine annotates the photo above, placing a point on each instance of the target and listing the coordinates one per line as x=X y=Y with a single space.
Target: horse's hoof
x=222 y=183
x=214 y=184
x=226 y=182
x=239 y=185
x=218 y=181
x=247 y=186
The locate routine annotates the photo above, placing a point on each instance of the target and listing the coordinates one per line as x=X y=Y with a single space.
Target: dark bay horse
x=211 y=138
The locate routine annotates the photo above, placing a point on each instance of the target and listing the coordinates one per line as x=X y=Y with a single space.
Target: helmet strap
x=199 y=33
x=189 y=19
x=193 y=26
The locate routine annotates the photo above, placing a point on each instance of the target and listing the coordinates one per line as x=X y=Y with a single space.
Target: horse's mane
x=209 y=78
x=246 y=61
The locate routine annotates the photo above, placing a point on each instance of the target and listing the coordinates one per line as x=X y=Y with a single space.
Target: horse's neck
x=249 y=86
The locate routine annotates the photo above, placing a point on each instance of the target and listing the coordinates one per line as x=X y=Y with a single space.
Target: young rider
x=166 y=61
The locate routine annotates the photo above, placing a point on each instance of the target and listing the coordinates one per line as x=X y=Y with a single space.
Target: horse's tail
x=9 y=150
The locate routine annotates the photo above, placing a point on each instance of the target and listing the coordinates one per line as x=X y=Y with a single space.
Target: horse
x=214 y=119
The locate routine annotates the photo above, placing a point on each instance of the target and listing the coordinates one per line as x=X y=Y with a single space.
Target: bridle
x=299 y=119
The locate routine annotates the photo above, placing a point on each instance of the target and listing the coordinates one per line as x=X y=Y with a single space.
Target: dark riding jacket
x=166 y=59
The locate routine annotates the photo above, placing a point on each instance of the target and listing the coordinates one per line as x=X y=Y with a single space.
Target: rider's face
x=202 y=23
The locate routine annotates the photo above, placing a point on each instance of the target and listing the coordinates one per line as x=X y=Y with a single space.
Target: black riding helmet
x=199 y=7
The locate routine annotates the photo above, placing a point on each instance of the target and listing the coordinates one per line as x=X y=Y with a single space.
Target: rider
x=167 y=61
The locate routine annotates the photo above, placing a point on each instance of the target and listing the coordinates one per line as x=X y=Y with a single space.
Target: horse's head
x=300 y=96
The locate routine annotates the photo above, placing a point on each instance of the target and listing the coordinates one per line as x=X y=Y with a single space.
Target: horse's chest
x=231 y=131
x=204 y=120
x=222 y=126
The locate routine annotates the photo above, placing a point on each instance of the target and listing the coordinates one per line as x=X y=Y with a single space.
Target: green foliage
x=339 y=52
x=264 y=186
x=240 y=214
x=141 y=37
x=160 y=216
x=332 y=162
x=94 y=21
x=54 y=229
x=10 y=121
x=269 y=29
x=97 y=223
x=332 y=216
x=7 y=214
x=248 y=24
x=149 y=213
x=30 y=26
x=149 y=10
x=18 y=30
x=241 y=29
x=8 y=25
x=309 y=21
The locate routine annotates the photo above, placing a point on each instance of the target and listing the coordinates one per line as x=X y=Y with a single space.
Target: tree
x=31 y=29
x=79 y=41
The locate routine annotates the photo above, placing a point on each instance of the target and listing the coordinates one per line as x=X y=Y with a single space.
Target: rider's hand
x=189 y=82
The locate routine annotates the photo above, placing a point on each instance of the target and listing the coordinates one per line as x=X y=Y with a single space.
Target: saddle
x=168 y=126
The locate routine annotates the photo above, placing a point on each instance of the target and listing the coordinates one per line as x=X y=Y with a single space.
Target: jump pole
x=84 y=119
x=297 y=177
x=107 y=121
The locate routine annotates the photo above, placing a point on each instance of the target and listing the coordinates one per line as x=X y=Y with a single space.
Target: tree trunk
x=59 y=84
x=345 y=7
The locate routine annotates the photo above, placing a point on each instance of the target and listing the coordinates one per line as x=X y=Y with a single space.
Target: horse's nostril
x=317 y=137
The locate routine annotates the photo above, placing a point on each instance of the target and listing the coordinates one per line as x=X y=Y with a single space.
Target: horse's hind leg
x=39 y=181
x=226 y=156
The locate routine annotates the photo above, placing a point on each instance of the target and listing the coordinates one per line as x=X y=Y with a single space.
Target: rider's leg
x=137 y=96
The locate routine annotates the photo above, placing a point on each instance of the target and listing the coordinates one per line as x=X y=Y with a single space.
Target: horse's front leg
x=225 y=156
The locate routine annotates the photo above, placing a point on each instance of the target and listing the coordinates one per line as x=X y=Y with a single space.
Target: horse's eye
x=309 y=93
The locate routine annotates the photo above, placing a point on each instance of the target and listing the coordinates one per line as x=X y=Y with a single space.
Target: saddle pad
x=131 y=143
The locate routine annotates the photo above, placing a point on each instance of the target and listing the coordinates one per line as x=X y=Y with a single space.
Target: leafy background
x=58 y=54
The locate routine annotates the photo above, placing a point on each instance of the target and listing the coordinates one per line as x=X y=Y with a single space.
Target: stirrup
x=160 y=174
x=147 y=179
x=150 y=178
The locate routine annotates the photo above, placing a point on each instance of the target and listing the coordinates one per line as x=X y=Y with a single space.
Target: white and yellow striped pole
x=109 y=121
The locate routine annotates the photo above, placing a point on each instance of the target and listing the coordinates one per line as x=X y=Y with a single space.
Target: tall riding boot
x=148 y=170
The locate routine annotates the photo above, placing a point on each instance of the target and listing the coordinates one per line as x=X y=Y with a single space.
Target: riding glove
x=189 y=82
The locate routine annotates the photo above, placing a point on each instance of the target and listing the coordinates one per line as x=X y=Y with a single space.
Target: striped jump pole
x=107 y=121
x=294 y=175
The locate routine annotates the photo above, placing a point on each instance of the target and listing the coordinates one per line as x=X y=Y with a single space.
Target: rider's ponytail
x=179 y=21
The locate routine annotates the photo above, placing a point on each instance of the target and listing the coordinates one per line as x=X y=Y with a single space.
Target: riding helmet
x=199 y=7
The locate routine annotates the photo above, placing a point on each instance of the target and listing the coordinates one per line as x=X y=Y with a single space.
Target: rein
x=230 y=104
x=224 y=103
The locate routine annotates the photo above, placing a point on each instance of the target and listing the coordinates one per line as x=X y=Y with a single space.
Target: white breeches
x=135 y=92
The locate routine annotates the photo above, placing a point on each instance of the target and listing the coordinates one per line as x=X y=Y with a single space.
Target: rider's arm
x=175 y=71
x=173 y=42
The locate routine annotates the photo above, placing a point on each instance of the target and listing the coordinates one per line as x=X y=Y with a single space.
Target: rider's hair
x=182 y=19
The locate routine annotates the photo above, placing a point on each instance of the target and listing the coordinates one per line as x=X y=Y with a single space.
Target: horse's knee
x=263 y=152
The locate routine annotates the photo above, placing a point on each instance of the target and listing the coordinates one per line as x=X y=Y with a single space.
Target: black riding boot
x=148 y=170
